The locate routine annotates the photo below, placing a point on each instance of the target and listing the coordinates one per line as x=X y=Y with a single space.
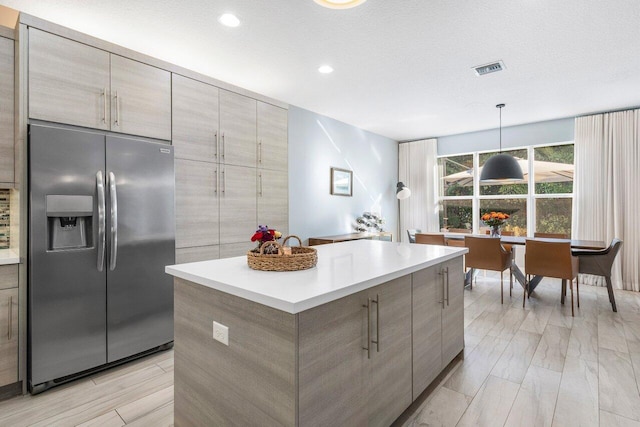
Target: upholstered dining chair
x=551 y=259
x=600 y=263
x=486 y=253
x=412 y=234
x=430 y=239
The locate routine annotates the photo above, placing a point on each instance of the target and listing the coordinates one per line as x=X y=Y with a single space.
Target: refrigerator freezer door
x=139 y=293
x=67 y=293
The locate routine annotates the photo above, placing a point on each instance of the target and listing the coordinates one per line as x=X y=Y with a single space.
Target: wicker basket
x=301 y=257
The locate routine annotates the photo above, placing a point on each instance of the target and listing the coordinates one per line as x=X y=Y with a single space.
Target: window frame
x=531 y=196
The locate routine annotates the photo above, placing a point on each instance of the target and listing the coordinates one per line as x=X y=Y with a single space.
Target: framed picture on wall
x=341 y=182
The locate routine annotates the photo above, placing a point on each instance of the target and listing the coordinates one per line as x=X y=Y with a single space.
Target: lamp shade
x=501 y=167
x=402 y=191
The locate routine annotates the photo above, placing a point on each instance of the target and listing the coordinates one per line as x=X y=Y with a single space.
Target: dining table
x=521 y=241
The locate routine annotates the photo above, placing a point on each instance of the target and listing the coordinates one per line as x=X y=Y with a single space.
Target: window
x=539 y=203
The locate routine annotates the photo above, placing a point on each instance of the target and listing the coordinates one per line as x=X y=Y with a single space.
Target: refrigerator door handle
x=114 y=221
x=102 y=243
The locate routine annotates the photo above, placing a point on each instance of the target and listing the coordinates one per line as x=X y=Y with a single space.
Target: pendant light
x=402 y=191
x=501 y=166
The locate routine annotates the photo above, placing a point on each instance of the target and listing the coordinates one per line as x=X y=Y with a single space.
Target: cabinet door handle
x=104 y=105
x=117 y=121
x=446 y=272
x=10 y=322
x=444 y=292
x=215 y=183
x=377 y=341
x=216 y=144
x=260 y=181
x=368 y=347
x=223 y=150
x=224 y=181
x=260 y=152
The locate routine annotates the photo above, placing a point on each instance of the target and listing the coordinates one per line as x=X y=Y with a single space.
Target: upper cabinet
x=272 y=137
x=6 y=111
x=237 y=129
x=141 y=99
x=72 y=83
x=195 y=119
x=68 y=81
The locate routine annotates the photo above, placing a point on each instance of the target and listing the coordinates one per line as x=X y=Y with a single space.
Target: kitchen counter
x=343 y=269
x=9 y=256
x=352 y=341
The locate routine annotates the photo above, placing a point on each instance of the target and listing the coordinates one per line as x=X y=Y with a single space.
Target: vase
x=495 y=231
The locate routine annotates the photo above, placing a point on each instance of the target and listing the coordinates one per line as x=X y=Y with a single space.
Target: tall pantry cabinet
x=222 y=191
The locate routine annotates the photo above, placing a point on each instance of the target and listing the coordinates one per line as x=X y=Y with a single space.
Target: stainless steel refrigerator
x=101 y=231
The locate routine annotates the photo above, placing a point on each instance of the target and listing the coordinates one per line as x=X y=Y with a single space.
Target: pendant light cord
x=500 y=106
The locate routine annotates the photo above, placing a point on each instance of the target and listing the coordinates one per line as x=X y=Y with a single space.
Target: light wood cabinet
x=141 y=99
x=273 y=199
x=438 y=320
x=6 y=110
x=196 y=203
x=237 y=191
x=453 y=313
x=68 y=81
x=237 y=129
x=332 y=364
x=427 y=327
x=195 y=119
x=272 y=137
x=236 y=249
x=388 y=378
x=197 y=253
x=8 y=336
x=76 y=84
x=343 y=383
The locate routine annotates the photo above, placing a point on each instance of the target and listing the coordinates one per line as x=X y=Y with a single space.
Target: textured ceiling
x=402 y=67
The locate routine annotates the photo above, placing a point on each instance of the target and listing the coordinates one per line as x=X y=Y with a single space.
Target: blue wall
x=547 y=132
x=317 y=143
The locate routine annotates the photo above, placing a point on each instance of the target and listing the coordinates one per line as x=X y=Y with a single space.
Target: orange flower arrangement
x=494 y=219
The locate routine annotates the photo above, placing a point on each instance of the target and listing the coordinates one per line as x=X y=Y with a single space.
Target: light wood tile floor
x=523 y=367
x=539 y=366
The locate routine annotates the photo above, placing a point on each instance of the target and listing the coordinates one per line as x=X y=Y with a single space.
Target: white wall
x=547 y=132
x=317 y=143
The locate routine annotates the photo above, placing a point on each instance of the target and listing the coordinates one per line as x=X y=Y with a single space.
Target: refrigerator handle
x=101 y=220
x=114 y=221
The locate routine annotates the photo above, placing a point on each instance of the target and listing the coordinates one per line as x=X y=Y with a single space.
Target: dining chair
x=412 y=234
x=551 y=235
x=486 y=253
x=600 y=262
x=455 y=242
x=430 y=239
x=551 y=259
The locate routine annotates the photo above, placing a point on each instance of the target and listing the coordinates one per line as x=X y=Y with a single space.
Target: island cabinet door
x=389 y=369
x=333 y=364
x=453 y=312
x=428 y=290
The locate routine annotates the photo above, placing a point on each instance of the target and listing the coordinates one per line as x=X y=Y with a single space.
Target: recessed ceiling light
x=339 y=4
x=229 y=20
x=325 y=69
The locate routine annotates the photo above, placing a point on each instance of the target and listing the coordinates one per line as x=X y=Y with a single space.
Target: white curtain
x=607 y=189
x=418 y=169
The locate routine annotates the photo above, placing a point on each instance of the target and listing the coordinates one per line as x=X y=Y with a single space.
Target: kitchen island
x=352 y=341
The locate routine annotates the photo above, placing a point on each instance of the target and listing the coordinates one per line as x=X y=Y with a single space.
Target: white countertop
x=9 y=256
x=343 y=269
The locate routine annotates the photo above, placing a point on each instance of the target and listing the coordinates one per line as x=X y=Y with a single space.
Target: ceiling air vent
x=481 y=70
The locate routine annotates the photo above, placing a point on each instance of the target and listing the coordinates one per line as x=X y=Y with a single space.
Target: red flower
x=257 y=236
